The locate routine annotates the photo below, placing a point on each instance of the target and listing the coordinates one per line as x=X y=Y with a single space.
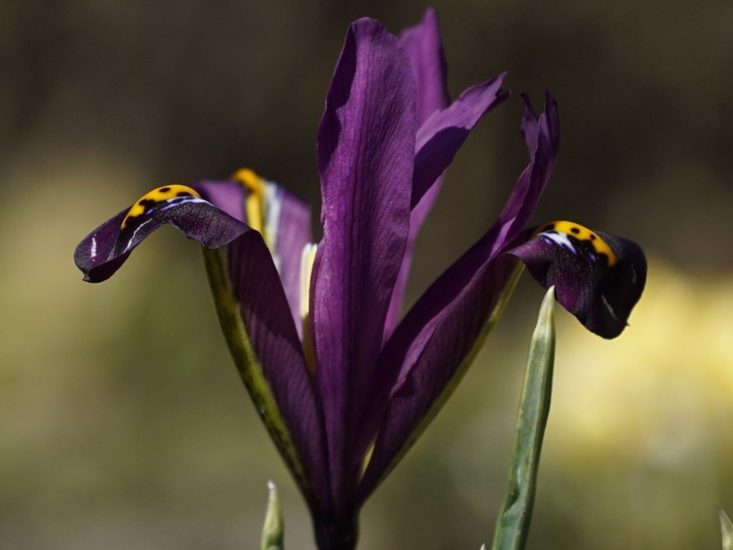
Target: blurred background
x=122 y=420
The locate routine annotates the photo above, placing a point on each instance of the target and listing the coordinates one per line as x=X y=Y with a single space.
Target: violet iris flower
x=343 y=385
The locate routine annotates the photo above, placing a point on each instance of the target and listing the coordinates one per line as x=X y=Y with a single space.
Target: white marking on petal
x=560 y=239
x=176 y=201
x=134 y=234
x=306 y=268
x=94 y=247
x=307 y=258
x=273 y=205
x=609 y=308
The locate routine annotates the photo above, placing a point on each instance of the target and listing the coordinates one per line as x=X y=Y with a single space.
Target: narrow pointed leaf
x=726 y=531
x=512 y=525
x=273 y=530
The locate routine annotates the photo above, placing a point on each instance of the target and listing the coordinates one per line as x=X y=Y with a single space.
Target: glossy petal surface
x=597 y=277
x=105 y=249
x=443 y=129
x=429 y=346
x=366 y=144
x=287 y=227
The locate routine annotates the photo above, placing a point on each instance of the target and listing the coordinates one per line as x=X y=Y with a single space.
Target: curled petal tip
x=528 y=108
x=101 y=253
x=598 y=277
x=549 y=98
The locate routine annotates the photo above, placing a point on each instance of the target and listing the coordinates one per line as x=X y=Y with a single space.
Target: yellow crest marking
x=582 y=234
x=254 y=204
x=307 y=258
x=161 y=194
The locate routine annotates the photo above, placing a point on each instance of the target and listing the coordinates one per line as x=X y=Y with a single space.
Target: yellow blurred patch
x=663 y=387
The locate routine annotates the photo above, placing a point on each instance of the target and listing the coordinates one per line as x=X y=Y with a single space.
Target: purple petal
x=425 y=50
x=289 y=222
x=105 y=249
x=252 y=292
x=366 y=145
x=597 y=277
x=443 y=133
x=440 y=331
x=287 y=227
x=227 y=196
x=424 y=47
x=270 y=329
x=542 y=136
x=438 y=140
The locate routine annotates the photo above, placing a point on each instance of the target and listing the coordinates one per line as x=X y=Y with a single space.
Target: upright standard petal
x=289 y=223
x=431 y=348
x=105 y=249
x=443 y=130
x=443 y=133
x=366 y=145
x=425 y=50
x=597 y=277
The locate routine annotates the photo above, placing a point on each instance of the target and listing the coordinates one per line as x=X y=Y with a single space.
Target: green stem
x=512 y=524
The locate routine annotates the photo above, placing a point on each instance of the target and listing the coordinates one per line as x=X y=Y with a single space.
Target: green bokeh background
x=122 y=420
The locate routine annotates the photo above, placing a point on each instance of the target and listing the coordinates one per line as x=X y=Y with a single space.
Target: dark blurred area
x=122 y=421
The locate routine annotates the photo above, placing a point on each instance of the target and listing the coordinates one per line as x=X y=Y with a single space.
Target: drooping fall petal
x=259 y=326
x=597 y=277
x=105 y=249
x=264 y=343
x=366 y=145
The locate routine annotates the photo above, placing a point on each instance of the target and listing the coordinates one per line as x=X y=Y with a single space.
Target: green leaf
x=726 y=531
x=273 y=530
x=512 y=524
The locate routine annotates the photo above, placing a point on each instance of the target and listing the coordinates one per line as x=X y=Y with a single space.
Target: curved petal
x=425 y=50
x=438 y=141
x=597 y=277
x=264 y=344
x=443 y=133
x=105 y=249
x=289 y=224
x=252 y=307
x=366 y=144
x=286 y=227
x=430 y=347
